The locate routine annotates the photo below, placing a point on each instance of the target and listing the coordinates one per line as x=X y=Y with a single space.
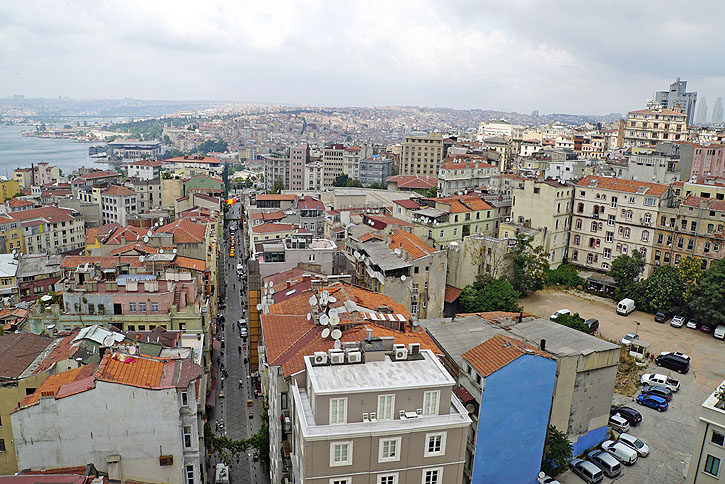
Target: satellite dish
x=336 y=334
x=324 y=320
x=331 y=299
x=265 y=291
x=145 y=238
x=108 y=340
x=141 y=258
x=137 y=237
x=161 y=220
x=397 y=251
x=259 y=307
x=266 y=283
x=403 y=278
x=334 y=320
x=161 y=251
x=326 y=332
x=174 y=251
x=470 y=408
x=309 y=316
x=149 y=233
x=332 y=311
x=271 y=291
x=313 y=300
x=325 y=294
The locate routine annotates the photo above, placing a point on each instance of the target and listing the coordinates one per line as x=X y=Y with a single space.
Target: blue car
x=652 y=401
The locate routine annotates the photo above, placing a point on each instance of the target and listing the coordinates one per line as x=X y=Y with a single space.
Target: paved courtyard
x=671 y=434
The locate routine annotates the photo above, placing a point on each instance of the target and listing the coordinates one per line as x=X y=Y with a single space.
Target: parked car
x=706 y=327
x=693 y=324
x=635 y=443
x=677 y=321
x=558 y=313
x=593 y=325
x=719 y=332
x=544 y=479
x=618 y=423
x=657 y=390
x=623 y=453
x=243 y=332
x=625 y=306
x=661 y=380
x=674 y=362
x=606 y=462
x=586 y=470
x=661 y=317
x=628 y=338
x=652 y=401
x=676 y=353
x=633 y=416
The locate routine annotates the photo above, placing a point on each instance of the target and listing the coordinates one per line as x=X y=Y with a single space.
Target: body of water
x=18 y=151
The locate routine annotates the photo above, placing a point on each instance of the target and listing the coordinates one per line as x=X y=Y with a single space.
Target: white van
x=625 y=306
x=623 y=453
x=719 y=332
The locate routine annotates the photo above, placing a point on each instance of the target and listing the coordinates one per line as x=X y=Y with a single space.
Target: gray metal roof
x=33 y=265
x=383 y=256
x=456 y=336
x=561 y=340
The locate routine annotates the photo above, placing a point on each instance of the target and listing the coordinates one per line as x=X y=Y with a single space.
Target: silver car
x=635 y=443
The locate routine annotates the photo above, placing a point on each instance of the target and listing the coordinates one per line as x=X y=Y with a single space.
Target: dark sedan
x=629 y=414
x=657 y=390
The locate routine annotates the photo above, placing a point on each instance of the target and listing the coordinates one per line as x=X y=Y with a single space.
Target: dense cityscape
x=213 y=291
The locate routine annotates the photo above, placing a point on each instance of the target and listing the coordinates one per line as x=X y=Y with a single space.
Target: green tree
x=564 y=275
x=690 y=269
x=167 y=140
x=557 y=452
x=230 y=450
x=529 y=265
x=278 y=186
x=573 y=321
x=354 y=183
x=489 y=294
x=218 y=146
x=707 y=302
x=341 y=180
x=625 y=271
x=377 y=186
x=662 y=291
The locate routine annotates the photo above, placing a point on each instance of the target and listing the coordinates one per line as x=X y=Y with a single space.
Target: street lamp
x=637 y=328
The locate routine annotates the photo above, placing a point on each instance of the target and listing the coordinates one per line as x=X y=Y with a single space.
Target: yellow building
x=647 y=127
x=269 y=231
x=8 y=189
x=11 y=235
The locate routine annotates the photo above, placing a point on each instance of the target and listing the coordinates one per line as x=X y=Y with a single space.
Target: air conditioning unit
x=414 y=348
x=319 y=358
x=398 y=346
x=373 y=417
x=366 y=417
x=419 y=411
x=402 y=415
x=337 y=357
x=354 y=357
x=401 y=354
x=166 y=460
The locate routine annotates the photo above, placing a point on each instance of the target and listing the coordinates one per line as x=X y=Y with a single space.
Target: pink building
x=708 y=161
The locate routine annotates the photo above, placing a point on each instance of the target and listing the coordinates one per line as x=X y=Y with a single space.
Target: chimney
x=542 y=345
x=370 y=334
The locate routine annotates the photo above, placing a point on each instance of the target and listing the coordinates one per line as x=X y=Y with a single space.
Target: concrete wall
x=64 y=432
x=513 y=421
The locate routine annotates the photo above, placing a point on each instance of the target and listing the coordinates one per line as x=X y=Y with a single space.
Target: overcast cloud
x=514 y=55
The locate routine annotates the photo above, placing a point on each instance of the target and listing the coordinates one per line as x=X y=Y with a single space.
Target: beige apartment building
x=464 y=172
x=544 y=205
x=422 y=154
x=368 y=415
x=612 y=217
x=653 y=125
x=333 y=162
x=709 y=445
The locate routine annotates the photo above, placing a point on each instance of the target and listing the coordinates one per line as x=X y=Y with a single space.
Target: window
x=388 y=479
x=575 y=255
x=389 y=450
x=155 y=306
x=386 y=405
x=435 y=444
x=645 y=235
x=717 y=438
x=340 y=453
x=184 y=399
x=577 y=240
x=338 y=410
x=132 y=306
x=2 y=445
x=712 y=465
x=650 y=202
x=626 y=232
x=432 y=476
x=578 y=223
x=189 y=474
x=430 y=402
x=610 y=219
x=610 y=236
x=614 y=202
x=607 y=253
x=187 y=436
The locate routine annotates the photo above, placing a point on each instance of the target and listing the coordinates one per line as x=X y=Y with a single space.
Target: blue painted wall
x=591 y=439
x=513 y=420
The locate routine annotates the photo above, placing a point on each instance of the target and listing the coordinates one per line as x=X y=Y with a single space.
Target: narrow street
x=235 y=419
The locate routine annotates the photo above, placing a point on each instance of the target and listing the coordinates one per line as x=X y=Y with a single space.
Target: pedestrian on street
x=240 y=383
x=240 y=349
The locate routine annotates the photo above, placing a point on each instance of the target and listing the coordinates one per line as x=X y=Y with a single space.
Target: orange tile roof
x=386 y=219
x=137 y=371
x=277 y=196
x=146 y=163
x=91 y=235
x=413 y=181
x=52 y=385
x=116 y=235
x=620 y=185
x=51 y=214
x=453 y=165
x=410 y=243
x=138 y=246
x=189 y=263
x=62 y=350
x=99 y=174
x=710 y=203
x=452 y=293
x=271 y=228
x=497 y=352
x=463 y=203
x=369 y=235
x=19 y=202
x=185 y=231
x=117 y=191
x=193 y=159
x=655 y=111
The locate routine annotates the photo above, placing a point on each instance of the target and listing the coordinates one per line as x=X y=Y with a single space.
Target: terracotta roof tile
x=115 y=235
x=189 y=263
x=193 y=159
x=413 y=181
x=497 y=352
x=368 y=236
x=136 y=371
x=50 y=214
x=277 y=196
x=99 y=174
x=106 y=262
x=309 y=203
x=53 y=384
x=620 y=185
x=710 y=203
x=19 y=202
x=410 y=243
x=185 y=231
x=463 y=203
x=271 y=228
x=137 y=246
x=117 y=191
x=63 y=349
x=18 y=351
x=387 y=220
x=452 y=293
x=407 y=203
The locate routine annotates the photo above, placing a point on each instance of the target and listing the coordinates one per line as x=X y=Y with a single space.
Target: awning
x=210 y=400
x=216 y=345
x=464 y=395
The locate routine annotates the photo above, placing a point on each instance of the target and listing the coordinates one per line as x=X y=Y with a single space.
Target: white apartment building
x=117 y=203
x=314 y=175
x=612 y=217
x=459 y=173
x=145 y=169
x=298 y=156
x=50 y=230
x=653 y=125
x=706 y=462
x=369 y=415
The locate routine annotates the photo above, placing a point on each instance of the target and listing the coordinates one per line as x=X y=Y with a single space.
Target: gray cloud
x=556 y=56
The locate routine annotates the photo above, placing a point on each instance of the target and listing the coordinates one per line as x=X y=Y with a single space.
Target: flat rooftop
x=375 y=376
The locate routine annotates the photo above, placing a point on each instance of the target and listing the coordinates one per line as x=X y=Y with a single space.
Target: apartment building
x=647 y=127
x=708 y=449
x=333 y=157
x=314 y=176
x=678 y=98
x=546 y=205
x=707 y=160
x=374 y=170
x=377 y=416
x=144 y=169
x=148 y=193
x=298 y=155
x=87 y=186
x=50 y=230
x=276 y=169
x=422 y=154
x=278 y=255
x=37 y=275
x=649 y=164
x=352 y=157
x=612 y=217
x=448 y=219
x=117 y=202
x=459 y=173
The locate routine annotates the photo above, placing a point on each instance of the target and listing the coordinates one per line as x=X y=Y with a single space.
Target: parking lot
x=670 y=434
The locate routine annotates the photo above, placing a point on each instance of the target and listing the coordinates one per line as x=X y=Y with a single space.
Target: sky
x=513 y=55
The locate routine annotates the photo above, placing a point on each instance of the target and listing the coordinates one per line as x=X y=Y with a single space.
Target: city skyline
x=461 y=56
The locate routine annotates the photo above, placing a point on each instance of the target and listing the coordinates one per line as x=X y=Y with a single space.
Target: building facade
x=706 y=462
x=678 y=98
x=421 y=154
x=653 y=125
